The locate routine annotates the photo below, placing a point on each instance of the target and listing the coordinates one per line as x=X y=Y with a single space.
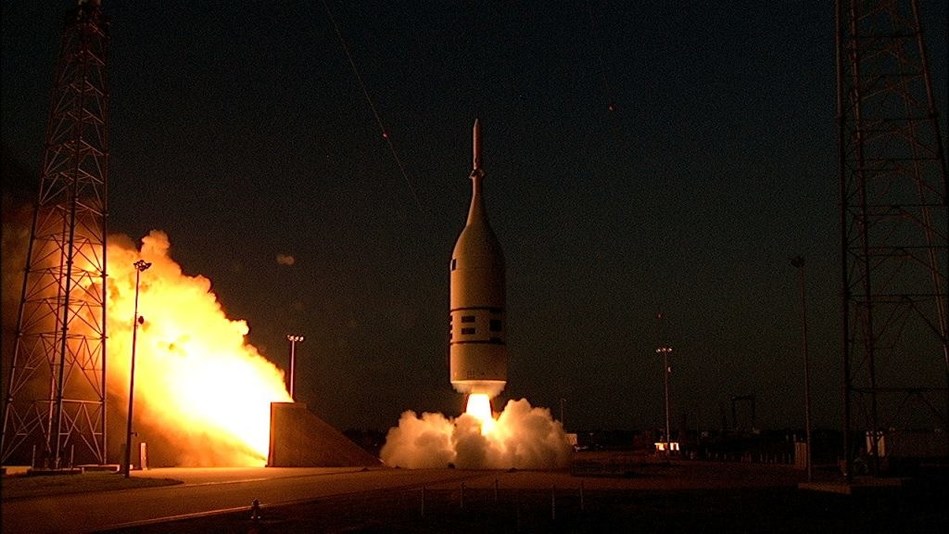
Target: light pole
x=665 y=350
x=798 y=262
x=140 y=266
x=293 y=339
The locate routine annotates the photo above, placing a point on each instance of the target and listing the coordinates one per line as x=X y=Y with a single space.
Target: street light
x=666 y=350
x=293 y=339
x=140 y=266
x=798 y=262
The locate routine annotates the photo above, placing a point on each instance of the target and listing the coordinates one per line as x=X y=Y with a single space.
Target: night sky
x=640 y=156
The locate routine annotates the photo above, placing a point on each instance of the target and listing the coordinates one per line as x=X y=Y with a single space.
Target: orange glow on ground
x=199 y=386
x=479 y=406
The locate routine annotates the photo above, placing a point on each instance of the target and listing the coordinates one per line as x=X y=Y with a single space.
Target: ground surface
x=718 y=510
x=605 y=494
x=24 y=487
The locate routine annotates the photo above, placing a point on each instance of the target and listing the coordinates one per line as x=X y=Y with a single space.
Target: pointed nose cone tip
x=476 y=145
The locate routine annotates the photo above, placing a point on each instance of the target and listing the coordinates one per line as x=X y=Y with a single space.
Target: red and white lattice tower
x=54 y=412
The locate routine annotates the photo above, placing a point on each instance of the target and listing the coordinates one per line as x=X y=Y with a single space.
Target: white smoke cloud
x=285 y=259
x=523 y=438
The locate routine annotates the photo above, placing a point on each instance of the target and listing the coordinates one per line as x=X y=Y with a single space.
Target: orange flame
x=479 y=406
x=197 y=381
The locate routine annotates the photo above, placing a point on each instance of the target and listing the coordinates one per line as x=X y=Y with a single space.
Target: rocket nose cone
x=476 y=145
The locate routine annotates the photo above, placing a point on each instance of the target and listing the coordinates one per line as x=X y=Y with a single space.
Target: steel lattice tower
x=54 y=413
x=894 y=226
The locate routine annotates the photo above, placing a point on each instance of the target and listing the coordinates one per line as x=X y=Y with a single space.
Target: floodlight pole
x=665 y=350
x=798 y=262
x=293 y=339
x=140 y=266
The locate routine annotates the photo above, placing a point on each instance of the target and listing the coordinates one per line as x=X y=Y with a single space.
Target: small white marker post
x=581 y=496
x=553 y=503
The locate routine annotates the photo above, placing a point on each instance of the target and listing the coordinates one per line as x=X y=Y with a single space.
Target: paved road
x=206 y=491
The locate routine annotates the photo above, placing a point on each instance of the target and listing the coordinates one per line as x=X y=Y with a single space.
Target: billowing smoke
x=199 y=386
x=202 y=393
x=523 y=437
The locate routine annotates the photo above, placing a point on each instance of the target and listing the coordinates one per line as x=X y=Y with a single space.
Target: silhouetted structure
x=54 y=410
x=893 y=219
x=298 y=438
x=748 y=423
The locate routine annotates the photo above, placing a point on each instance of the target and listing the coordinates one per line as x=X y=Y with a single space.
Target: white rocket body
x=478 y=340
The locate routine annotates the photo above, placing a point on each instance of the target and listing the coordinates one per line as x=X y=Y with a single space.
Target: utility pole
x=798 y=262
x=664 y=349
x=293 y=339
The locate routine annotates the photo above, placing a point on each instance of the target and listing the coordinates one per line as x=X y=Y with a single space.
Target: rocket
x=477 y=342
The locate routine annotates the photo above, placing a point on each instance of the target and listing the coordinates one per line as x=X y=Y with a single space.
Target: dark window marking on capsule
x=491 y=341
x=495 y=325
x=467 y=331
x=454 y=264
x=495 y=311
x=467 y=318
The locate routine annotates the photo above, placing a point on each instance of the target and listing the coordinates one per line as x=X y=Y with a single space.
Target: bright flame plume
x=479 y=406
x=199 y=386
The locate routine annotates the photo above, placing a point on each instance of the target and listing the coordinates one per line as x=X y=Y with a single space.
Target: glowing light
x=479 y=406
x=523 y=437
x=198 y=384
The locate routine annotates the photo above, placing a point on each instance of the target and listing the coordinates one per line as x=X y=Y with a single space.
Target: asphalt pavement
x=221 y=492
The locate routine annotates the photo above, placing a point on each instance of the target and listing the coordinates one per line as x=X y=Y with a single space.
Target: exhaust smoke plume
x=522 y=437
x=202 y=393
x=200 y=388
